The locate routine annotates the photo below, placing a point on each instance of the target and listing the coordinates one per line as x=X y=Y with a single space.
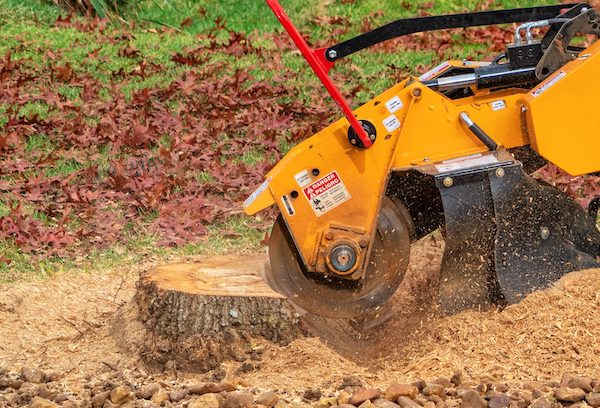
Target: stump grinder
x=450 y=150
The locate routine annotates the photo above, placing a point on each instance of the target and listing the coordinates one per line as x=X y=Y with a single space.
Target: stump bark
x=198 y=315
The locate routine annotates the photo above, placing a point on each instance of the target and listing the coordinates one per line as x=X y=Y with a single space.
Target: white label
x=550 y=82
x=466 y=163
x=326 y=193
x=391 y=123
x=303 y=178
x=498 y=105
x=434 y=72
x=476 y=63
x=257 y=192
x=394 y=104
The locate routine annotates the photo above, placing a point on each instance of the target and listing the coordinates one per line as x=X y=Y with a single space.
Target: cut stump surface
x=198 y=315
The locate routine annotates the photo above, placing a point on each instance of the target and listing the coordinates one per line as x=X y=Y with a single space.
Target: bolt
x=329 y=235
x=353 y=141
x=417 y=92
x=545 y=233
x=523 y=109
x=372 y=137
x=363 y=242
x=448 y=182
x=332 y=54
x=500 y=172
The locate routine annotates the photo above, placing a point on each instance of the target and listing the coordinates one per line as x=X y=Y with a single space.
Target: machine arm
x=421 y=24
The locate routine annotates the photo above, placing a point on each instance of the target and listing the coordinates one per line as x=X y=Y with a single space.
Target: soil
x=82 y=327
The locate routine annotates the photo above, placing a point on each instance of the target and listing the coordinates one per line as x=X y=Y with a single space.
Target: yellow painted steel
x=429 y=131
x=564 y=115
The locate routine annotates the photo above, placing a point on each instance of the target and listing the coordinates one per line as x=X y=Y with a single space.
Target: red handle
x=321 y=65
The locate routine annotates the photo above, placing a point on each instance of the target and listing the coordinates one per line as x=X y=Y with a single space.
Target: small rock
x=482 y=388
x=69 y=404
x=593 y=399
x=159 y=397
x=564 y=382
x=16 y=384
x=211 y=388
x=208 y=400
x=420 y=400
x=148 y=391
x=384 y=403
x=395 y=391
x=499 y=401
x=434 y=389
x=345 y=406
x=53 y=377
x=281 y=404
x=44 y=392
x=248 y=367
x=443 y=381
x=420 y=384
x=60 y=398
x=569 y=394
x=434 y=398
x=121 y=395
x=326 y=402
x=363 y=395
x=367 y=404
x=99 y=399
x=471 y=399
x=38 y=402
x=343 y=398
x=219 y=374
x=500 y=387
x=585 y=383
x=350 y=381
x=457 y=378
x=312 y=394
x=32 y=375
x=238 y=399
x=526 y=396
x=269 y=399
x=406 y=402
x=97 y=390
x=178 y=395
x=596 y=386
x=451 y=392
x=429 y=404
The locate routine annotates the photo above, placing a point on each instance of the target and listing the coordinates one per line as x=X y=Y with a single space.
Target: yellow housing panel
x=564 y=115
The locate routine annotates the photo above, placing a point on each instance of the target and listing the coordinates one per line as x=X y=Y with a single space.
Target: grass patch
x=235 y=235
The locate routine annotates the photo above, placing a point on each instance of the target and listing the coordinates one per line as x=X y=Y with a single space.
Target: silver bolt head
x=500 y=172
x=448 y=182
x=332 y=54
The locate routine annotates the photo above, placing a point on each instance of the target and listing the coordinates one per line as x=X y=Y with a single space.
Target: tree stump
x=198 y=315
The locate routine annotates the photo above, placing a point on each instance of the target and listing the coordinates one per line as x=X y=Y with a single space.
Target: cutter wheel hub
x=342 y=258
x=341 y=294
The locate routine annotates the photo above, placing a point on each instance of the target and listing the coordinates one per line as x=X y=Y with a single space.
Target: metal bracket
x=421 y=24
x=507 y=235
x=558 y=53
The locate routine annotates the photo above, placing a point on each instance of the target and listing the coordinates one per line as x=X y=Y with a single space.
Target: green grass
x=235 y=235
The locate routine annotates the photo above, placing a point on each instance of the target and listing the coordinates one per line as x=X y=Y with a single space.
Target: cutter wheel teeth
x=334 y=297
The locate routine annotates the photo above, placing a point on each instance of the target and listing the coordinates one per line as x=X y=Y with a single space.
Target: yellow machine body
x=329 y=190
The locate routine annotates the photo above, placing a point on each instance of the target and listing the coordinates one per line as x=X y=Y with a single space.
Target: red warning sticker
x=326 y=193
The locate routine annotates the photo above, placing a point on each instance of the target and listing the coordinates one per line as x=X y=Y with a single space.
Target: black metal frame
x=422 y=24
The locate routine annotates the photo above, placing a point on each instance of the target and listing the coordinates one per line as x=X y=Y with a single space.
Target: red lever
x=321 y=65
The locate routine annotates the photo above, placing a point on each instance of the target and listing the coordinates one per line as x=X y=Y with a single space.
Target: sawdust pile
x=544 y=336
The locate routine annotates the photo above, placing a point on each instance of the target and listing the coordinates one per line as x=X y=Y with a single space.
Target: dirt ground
x=67 y=324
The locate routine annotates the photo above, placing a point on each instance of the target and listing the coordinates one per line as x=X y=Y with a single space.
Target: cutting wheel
x=334 y=297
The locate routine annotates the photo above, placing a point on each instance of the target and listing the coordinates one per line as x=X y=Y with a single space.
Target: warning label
x=326 y=193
